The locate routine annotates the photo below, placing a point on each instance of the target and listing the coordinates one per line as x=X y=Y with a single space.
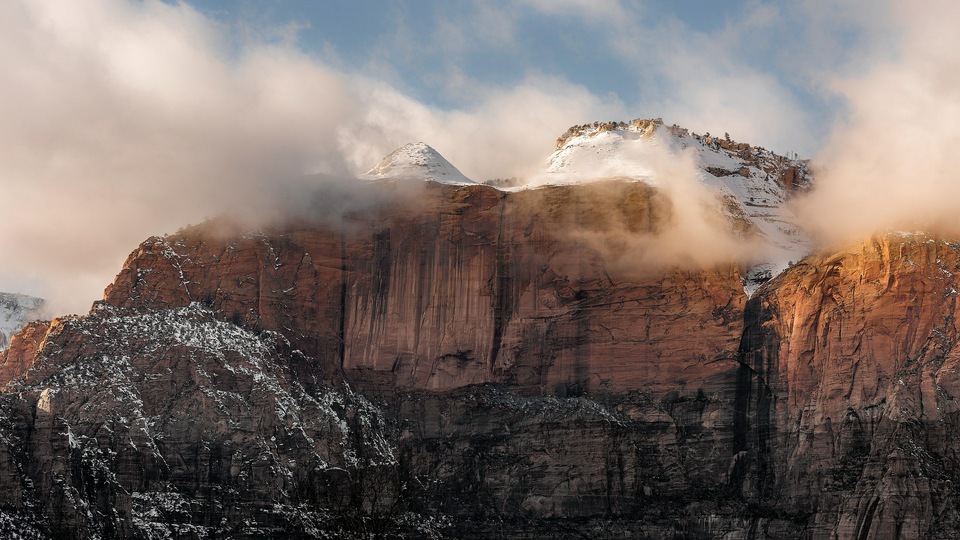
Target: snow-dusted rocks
x=751 y=185
x=139 y=419
x=417 y=161
x=15 y=311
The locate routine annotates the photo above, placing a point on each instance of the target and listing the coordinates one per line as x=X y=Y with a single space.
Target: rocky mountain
x=15 y=311
x=751 y=185
x=467 y=365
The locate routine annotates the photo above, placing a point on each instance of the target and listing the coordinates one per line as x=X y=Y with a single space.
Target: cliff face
x=489 y=364
x=160 y=423
x=483 y=287
x=856 y=370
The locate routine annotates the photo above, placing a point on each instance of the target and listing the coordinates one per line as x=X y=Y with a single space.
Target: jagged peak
x=417 y=160
x=751 y=184
x=620 y=146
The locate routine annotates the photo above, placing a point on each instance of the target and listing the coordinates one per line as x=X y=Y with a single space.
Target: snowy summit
x=420 y=161
x=751 y=184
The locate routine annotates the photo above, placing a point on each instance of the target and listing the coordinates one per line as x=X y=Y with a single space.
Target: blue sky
x=671 y=59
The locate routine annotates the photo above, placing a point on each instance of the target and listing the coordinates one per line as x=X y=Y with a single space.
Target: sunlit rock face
x=482 y=287
x=853 y=375
x=483 y=363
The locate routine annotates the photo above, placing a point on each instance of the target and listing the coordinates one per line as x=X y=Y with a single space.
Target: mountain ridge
x=749 y=185
x=595 y=412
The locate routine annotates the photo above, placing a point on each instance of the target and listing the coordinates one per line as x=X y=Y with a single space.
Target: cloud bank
x=893 y=163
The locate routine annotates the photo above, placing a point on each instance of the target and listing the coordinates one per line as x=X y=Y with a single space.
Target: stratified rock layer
x=487 y=364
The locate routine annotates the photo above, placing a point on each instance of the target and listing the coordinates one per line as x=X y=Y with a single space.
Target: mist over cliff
x=130 y=119
x=891 y=162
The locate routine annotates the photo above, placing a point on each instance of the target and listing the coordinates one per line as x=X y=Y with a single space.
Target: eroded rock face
x=484 y=287
x=158 y=423
x=855 y=368
x=486 y=302
x=489 y=364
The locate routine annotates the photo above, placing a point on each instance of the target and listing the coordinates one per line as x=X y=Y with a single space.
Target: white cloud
x=893 y=163
x=595 y=10
x=508 y=132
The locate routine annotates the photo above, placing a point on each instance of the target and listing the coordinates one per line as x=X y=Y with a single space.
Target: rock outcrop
x=486 y=287
x=489 y=364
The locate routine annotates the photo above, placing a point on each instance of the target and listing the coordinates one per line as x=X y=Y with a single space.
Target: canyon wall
x=489 y=364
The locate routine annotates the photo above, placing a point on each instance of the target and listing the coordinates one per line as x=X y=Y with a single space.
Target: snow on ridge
x=122 y=363
x=749 y=182
x=614 y=150
x=417 y=161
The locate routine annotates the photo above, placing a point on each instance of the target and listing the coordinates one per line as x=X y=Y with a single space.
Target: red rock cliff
x=524 y=382
x=479 y=286
x=855 y=364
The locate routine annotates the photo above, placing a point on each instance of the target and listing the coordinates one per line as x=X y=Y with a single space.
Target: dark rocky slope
x=480 y=366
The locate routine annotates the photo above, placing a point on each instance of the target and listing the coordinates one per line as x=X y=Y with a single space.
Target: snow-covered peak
x=750 y=183
x=417 y=161
x=16 y=310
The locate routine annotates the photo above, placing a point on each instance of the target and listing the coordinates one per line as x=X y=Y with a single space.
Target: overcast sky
x=121 y=119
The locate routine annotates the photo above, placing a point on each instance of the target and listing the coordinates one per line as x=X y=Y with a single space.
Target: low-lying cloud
x=687 y=228
x=894 y=163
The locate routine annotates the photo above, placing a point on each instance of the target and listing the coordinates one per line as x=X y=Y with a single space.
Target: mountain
x=465 y=364
x=751 y=185
x=15 y=311
x=417 y=161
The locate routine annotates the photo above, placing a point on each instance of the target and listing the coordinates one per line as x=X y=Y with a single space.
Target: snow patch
x=746 y=181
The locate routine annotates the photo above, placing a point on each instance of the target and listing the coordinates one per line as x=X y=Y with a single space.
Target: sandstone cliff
x=482 y=287
x=489 y=364
x=853 y=373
